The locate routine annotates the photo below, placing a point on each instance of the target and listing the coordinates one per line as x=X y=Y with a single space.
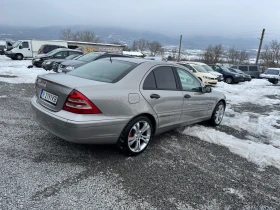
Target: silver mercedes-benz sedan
x=123 y=101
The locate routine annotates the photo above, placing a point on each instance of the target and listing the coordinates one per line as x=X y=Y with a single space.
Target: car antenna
x=111 y=58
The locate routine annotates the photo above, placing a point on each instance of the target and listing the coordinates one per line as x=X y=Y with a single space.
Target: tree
x=270 y=55
x=134 y=46
x=66 y=34
x=232 y=55
x=142 y=44
x=83 y=36
x=213 y=54
x=155 y=47
x=243 y=56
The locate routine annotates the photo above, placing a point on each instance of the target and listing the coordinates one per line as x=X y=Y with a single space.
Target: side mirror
x=20 y=47
x=207 y=89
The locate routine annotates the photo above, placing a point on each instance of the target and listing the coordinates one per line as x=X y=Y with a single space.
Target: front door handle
x=187 y=96
x=155 y=96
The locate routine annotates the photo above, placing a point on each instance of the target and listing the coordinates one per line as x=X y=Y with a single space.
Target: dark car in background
x=46 y=48
x=246 y=76
x=54 y=62
x=2 y=49
x=229 y=76
x=60 y=53
x=252 y=70
x=73 y=64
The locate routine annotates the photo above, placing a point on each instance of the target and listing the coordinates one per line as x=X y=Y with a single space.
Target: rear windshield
x=89 y=57
x=104 y=70
x=272 y=71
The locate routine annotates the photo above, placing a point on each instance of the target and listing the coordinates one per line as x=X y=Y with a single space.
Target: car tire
x=218 y=114
x=19 y=56
x=131 y=140
x=229 y=80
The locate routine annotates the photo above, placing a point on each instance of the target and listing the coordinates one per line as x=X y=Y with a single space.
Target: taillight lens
x=77 y=103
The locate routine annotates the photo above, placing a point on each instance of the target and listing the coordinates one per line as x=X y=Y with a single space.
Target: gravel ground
x=40 y=171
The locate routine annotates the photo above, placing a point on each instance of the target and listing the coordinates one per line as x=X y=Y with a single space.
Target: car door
x=196 y=104
x=25 y=50
x=161 y=91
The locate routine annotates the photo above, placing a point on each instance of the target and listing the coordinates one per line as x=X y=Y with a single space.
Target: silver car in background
x=123 y=101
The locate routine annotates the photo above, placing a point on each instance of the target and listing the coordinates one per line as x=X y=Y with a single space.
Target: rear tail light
x=77 y=103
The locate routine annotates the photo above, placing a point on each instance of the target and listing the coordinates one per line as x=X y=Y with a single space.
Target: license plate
x=49 y=97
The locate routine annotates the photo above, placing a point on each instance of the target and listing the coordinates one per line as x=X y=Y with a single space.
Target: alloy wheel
x=219 y=114
x=139 y=136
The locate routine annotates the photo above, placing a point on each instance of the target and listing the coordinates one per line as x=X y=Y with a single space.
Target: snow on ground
x=261 y=142
x=14 y=71
x=261 y=145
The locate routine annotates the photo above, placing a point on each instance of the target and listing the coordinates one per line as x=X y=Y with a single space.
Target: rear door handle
x=187 y=96
x=155 y=96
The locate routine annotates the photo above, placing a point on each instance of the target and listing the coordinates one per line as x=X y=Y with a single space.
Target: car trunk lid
x=52 y=90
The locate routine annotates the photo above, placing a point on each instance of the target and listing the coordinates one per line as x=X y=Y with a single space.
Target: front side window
x=25 y=45
x=188 y=81
x=165 y=78
x=243 y=68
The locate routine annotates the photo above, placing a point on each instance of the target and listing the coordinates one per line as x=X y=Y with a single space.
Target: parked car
x=246 y=76
x=49 y=64
x=60 y=53
x=229 y=76
x=29 y=48
x=252 y=70
x=124 y=101
x=272 y=74
x=3 y=47
x=73 y=64
x=210 y=70
x=46 y=48
x=201 y=73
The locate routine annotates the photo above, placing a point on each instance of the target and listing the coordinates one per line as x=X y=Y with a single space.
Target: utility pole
x=260 y=47
x=180 y=48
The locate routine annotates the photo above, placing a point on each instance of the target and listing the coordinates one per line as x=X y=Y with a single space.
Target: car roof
x=67 y=49
x=139 y=60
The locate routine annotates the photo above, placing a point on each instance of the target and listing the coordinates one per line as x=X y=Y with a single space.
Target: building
x=87 y=47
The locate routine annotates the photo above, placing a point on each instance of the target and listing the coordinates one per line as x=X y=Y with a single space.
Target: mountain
x=126 y=36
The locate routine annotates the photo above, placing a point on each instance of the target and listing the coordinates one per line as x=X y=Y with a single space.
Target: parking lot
x=233 y=166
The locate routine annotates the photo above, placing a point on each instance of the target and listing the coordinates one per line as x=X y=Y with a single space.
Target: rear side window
x=234 y=67
x=164 y=77
x=243 y=68
x=253 y=68
x=104 y=70
x=150 y=83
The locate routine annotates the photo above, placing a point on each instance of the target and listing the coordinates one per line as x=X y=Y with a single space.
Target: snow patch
x=258 y=153
x=11 y=68
x=4 y=96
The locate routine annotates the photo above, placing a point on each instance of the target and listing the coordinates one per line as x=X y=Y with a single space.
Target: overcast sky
x=170 y=17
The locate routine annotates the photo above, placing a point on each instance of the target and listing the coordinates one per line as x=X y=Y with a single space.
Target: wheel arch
x=150 y=117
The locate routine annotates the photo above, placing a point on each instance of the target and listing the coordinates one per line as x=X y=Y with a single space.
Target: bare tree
x=142 y=44
x=155 y=48
x=270 y=55
x=213 y=54
x=243 y=56
x=66 y=34
x=134 y=46
x=232 y=55
x=84 y=36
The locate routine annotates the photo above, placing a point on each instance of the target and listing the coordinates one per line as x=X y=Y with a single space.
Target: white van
x=29 y=48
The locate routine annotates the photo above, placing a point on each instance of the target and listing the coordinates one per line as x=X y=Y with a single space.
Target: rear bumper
x=84 y=132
